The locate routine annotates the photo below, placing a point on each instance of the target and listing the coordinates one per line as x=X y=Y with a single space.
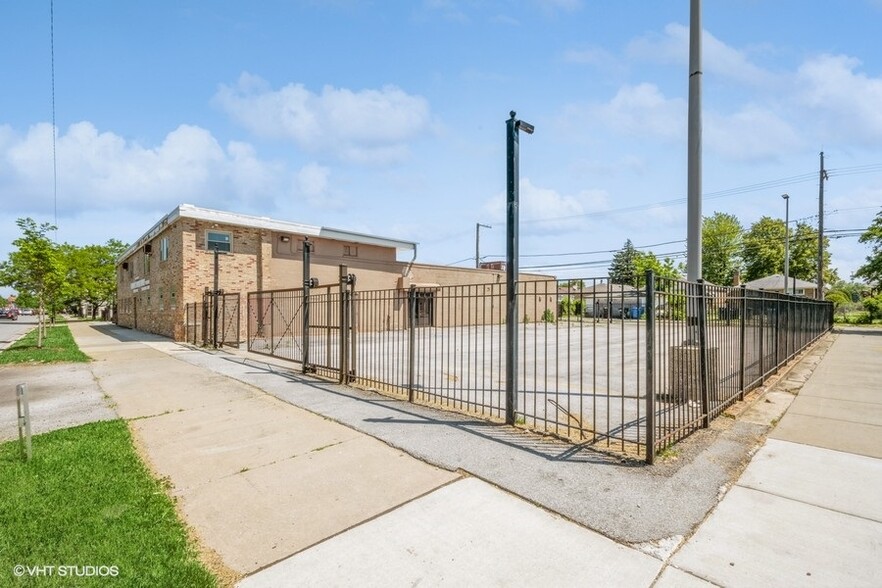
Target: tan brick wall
x=264 y=260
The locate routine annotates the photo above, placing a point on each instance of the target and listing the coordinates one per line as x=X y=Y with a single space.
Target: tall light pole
x=478 y=242
x=512 y=172
x=823 y=176
x=786 y=198
x=693 y=165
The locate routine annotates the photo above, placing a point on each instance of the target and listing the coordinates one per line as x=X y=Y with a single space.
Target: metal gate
x=203 y=319
x=313 y=326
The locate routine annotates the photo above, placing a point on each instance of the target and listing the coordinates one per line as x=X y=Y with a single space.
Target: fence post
x=345 y=280
x=307 y=284
x=702 y=350
x=762 y=338
x=742 y=314
x=353 y=330
x=650 y=367
x=777 y=332
x=206 y=302
x=411 y=335
x=24 y=421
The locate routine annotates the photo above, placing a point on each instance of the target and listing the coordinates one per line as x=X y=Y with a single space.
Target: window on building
x=350 y=251
x=220 y=240
x=163 y=249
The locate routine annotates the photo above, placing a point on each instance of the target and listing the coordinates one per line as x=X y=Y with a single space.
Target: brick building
x=172 y=264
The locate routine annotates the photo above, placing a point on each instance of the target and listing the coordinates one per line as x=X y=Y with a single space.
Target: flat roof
x=263 y=222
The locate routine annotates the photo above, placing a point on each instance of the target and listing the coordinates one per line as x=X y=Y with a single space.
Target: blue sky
x=389 y=118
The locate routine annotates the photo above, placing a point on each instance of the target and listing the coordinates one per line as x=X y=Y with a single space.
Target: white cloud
x=845 y=102
x=717 y=57
x=313 y=183
x=638 y=111
x=751 y=134
x=544 y=210
x=367 y=126
x=103 y=171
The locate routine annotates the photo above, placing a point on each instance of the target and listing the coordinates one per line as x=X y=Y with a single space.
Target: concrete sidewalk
x=808 y=509
x=260 y=479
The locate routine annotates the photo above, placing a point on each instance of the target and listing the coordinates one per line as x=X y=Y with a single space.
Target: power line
x=756 y=187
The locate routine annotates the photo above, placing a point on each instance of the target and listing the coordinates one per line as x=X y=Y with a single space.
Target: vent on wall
x=148 y=248
x=125 y=265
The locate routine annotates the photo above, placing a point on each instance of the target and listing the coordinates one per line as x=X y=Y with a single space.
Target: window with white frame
x=163 y=249
x=220 y=240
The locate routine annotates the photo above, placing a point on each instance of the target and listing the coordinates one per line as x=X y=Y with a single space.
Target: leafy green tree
x=872 y=270
x=804 y=255
x=648 y=261
x=721 y=247
x=873 y=304
x=91 y=274
x=623 y=269
x=840 y=299
x=35 y=268
x=763 y=249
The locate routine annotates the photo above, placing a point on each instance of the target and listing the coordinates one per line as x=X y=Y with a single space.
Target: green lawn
x=85 y=499
x=58 y=345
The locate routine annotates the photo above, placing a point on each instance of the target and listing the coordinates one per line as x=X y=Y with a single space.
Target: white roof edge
x=263 y=222
x=340 y=235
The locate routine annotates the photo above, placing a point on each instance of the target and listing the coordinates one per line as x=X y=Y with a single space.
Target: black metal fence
x=312 y=326
x=627 y=368
x=200 y=321
x=580 y=369
x=709 y=345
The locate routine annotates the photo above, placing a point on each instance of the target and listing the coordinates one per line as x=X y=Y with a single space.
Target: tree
x=763 y=249
x=804 y=255
x=648 y=261
x=623 y=269
x=35 y=268
x=721 y=247
x=872 y=270
x=91 y=273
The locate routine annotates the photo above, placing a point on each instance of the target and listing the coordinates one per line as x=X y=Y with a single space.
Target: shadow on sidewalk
x=857 y=330
x=402 y=412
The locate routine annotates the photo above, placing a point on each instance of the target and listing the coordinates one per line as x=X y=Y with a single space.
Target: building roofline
x=774 y=281
x=263 y=222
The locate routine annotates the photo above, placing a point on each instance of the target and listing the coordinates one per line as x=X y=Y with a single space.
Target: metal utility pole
x=512 y=126
x=215 y=298
x=823 y=176
x=693 y=182
x=308 y=282
x=478 y=242
x=786 y=198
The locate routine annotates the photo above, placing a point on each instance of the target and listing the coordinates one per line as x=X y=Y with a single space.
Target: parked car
x=26 y=312
x=10 y=312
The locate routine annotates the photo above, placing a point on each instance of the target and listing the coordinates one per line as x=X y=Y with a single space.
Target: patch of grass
x=86 y=499
x=668 y=453
x=58 y=346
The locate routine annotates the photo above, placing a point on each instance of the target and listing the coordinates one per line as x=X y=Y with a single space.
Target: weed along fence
x=624 y=368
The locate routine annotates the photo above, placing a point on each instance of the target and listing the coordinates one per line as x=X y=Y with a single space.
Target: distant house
x=609 y=300
x=775 y=283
